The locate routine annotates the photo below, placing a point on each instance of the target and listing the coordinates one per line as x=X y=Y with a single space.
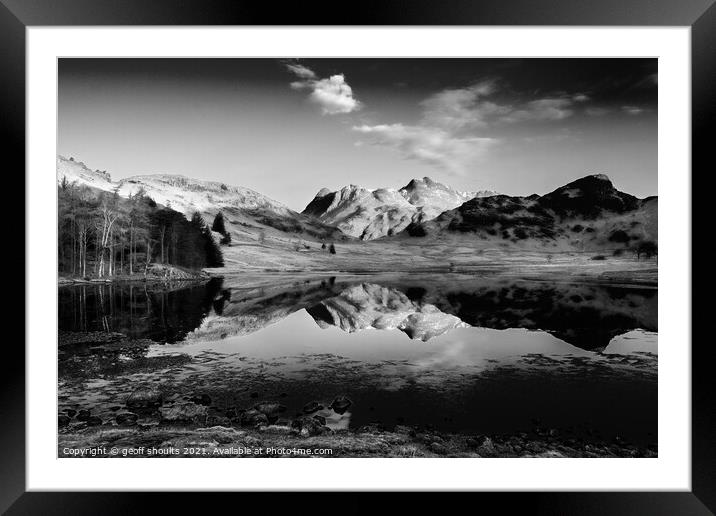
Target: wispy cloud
x=332 y=94
x=301 y=71
x=545 y=109
x=475 y=107
x=633 y=110
x=431 y=145
x=458 y=125
x=460 y=108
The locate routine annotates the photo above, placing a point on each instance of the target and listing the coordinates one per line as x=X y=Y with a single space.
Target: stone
x=438 y=448
x=307 y=426
x=184 y=412
x=372 y=428
x=71 y=412
x=144 y=398
x=270 y=408
x=320 y=419
x=311 y=407
x=254 y=417
x=126 y=418
x=218 y=421
x=341 y=404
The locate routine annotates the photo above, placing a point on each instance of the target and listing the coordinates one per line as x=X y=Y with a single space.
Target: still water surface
x=451 y=352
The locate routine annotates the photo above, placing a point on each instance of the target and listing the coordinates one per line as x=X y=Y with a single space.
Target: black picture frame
x=700 y=15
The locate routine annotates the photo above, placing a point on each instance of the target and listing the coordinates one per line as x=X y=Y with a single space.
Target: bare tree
x=108 y=216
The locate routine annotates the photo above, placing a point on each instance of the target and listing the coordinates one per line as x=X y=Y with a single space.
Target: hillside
x=250 y=216
x=586 y=214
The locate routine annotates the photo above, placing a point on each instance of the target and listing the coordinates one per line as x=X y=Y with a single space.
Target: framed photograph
x=419 y=248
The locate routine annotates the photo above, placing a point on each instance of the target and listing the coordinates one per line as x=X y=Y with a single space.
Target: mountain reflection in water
x=456 y=352
x=587 y=316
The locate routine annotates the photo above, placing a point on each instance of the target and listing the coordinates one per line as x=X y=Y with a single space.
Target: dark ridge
x=319 y=205
x=588 y=197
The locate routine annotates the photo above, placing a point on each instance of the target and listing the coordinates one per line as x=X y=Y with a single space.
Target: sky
x=290 y=127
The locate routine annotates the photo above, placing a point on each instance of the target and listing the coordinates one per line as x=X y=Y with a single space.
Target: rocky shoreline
x=156 y=274
x=281 y=440
x=148 y=425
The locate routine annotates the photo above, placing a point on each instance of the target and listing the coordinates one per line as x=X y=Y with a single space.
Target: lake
x=465 y=354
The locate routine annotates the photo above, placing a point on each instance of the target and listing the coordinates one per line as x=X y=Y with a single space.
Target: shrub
x=599 y=257
x=619 y=236
x=332 y=249
x=648 y=249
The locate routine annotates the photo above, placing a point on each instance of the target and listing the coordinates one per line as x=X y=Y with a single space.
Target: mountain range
x=588 y=214
x=369 y=214
x=249 y=214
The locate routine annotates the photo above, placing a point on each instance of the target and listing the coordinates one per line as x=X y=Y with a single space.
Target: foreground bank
x=369 y=441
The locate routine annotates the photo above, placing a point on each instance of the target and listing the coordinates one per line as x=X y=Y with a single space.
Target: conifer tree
x=218 y=224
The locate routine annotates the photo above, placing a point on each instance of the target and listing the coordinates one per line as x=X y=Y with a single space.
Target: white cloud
x=435 y=146
x=580 y=97
x=633 y=110
x=301 y=71
x=333 y=94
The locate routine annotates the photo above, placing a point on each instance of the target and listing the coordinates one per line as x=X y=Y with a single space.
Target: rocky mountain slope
x=370 y=214
x=586 y=214
x=249 y=215
x=77 y=172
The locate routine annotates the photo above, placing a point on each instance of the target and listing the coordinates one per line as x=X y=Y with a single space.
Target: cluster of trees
x=101 y=234
x=331 y=248
x=220 y=227
x=647 y=249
